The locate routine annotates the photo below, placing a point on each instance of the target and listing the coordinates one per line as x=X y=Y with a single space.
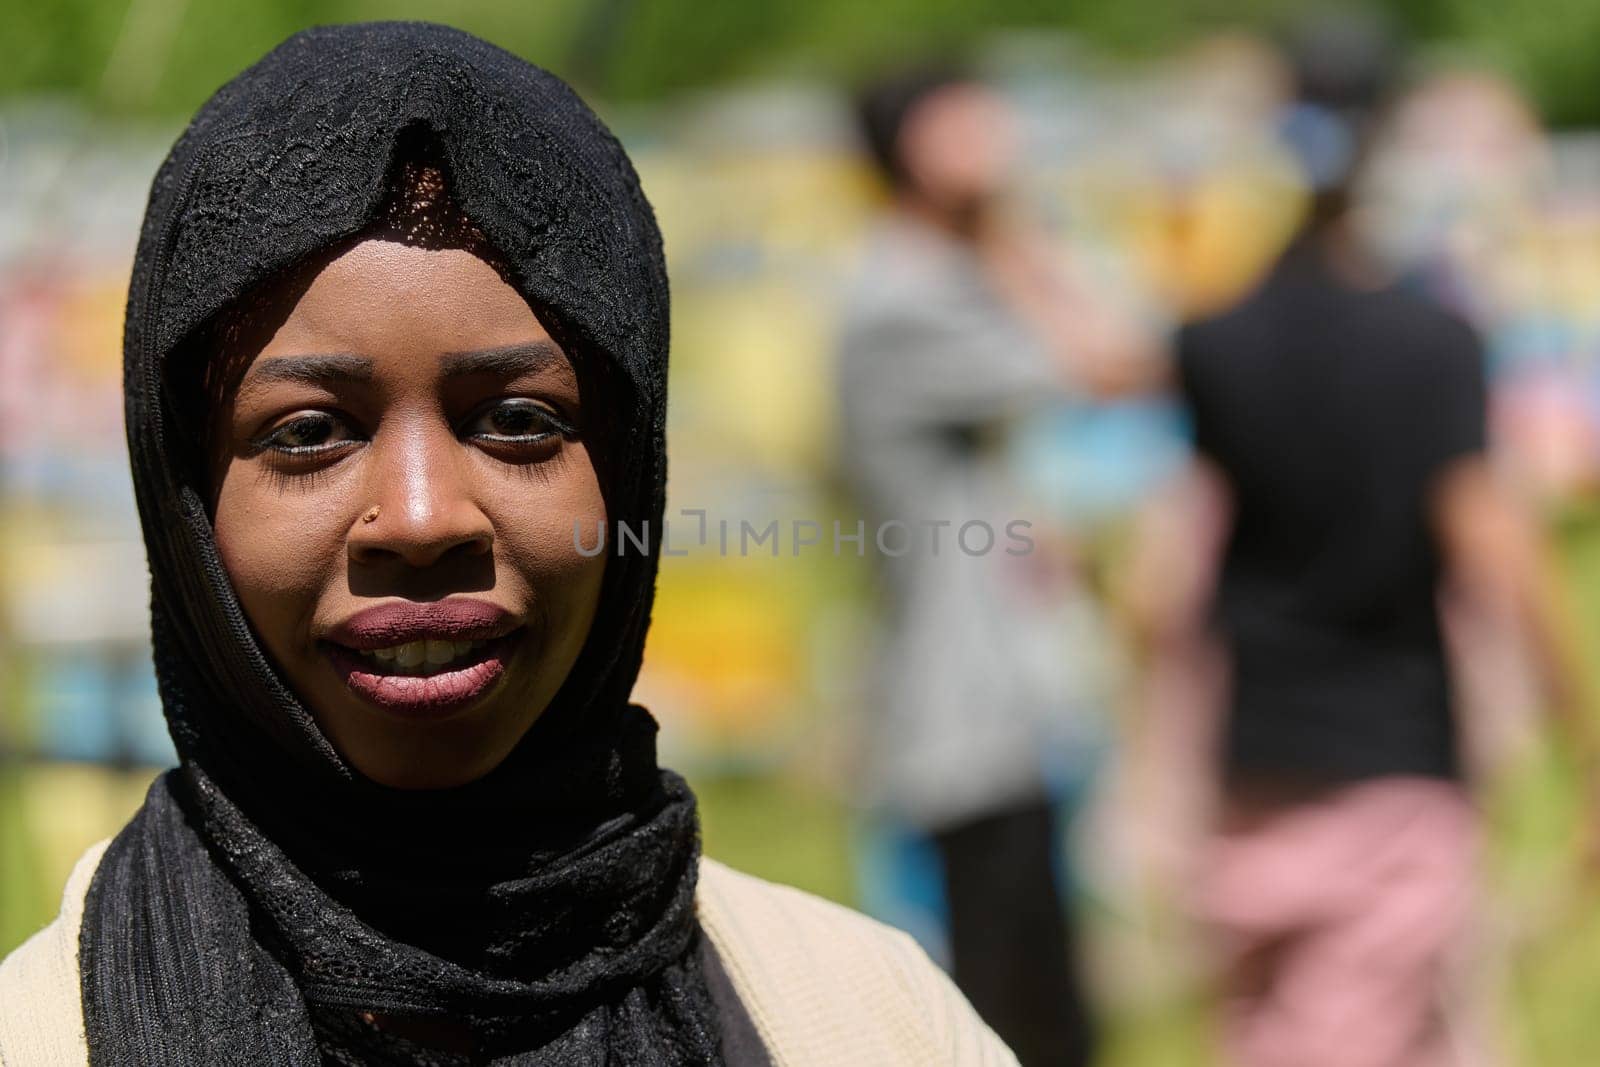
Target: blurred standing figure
x=958 y=326
x=1346 y=420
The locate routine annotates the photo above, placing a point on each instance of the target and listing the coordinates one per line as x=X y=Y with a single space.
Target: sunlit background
x=1151 y=158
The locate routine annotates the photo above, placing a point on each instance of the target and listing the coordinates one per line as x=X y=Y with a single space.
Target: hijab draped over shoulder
x=266 y=895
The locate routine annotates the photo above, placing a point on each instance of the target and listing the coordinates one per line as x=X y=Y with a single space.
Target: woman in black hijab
x=397 y=332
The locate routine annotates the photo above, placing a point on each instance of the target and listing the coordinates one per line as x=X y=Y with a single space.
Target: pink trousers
x=1335 y=919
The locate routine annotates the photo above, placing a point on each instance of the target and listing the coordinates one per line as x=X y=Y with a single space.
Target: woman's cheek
x=549 y=538
x=278 y=548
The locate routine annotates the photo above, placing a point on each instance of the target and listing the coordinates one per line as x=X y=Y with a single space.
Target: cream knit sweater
x=804 y=982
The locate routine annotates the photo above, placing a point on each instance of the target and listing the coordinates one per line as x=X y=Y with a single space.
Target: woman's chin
x=414 y=763
x=446 y=746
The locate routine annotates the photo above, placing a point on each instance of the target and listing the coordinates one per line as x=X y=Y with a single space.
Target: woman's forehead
x=382 y=295
x=420 y=271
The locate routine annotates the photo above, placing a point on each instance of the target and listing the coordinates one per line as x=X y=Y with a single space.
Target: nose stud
x=372 y=515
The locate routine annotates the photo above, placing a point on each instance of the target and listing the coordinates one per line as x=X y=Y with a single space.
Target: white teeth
x=422 y=657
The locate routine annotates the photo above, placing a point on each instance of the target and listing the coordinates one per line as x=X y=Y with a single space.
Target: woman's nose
x=420 y=505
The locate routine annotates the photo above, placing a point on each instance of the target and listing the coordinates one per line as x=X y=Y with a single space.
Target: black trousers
x=1013 y=946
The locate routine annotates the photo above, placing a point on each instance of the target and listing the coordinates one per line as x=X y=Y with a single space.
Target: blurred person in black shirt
x=1343 y=420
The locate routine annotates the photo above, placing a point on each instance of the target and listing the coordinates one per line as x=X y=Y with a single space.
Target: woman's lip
x=424 y=695
x=402 y=622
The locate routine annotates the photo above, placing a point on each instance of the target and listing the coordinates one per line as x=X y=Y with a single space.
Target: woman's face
x=397 y=478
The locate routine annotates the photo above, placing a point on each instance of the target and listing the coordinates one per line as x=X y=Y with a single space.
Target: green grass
x=778 y=830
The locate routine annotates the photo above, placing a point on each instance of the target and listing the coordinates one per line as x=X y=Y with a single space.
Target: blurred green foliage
x=162 y=57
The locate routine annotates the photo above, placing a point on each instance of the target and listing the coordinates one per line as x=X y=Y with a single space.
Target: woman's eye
x=311 y=432
x=517 y=420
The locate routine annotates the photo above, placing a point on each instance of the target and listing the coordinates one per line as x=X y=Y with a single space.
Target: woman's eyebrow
x=508 y=360
x=312 y=370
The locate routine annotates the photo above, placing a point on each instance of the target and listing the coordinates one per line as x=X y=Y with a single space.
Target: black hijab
x=266 y=893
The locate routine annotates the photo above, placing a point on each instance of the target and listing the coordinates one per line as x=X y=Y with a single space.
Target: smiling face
x=395 y=482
